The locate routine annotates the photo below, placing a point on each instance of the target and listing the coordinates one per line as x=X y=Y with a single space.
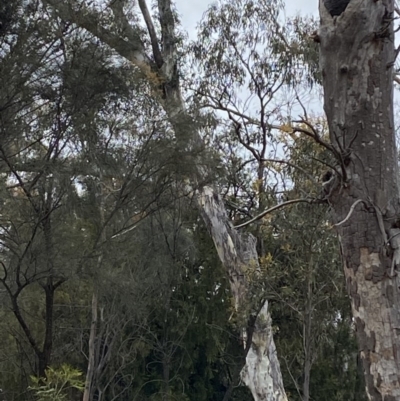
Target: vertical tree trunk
x=49 y=289
x=45 y=357
x=91 y=352
x=307 y=331
x=357 y=54
x=262 y=373
x=166 y=378
x=306 y=379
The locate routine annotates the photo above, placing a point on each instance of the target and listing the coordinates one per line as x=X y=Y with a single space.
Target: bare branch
x=312 y=133
x=309 y=176
x=272 y=209
x=396 y=53
x=21 y=183
x=167 y=22
x=28 y=333
x=350 y=212
x=339 y=174
x=302 y=106
x=247 y=145
x=152 y=32
x=246 y=118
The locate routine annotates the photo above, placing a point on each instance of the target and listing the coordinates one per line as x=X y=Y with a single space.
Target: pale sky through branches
x=191 y=11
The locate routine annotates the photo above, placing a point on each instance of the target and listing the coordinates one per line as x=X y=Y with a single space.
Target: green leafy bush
x=57 y=383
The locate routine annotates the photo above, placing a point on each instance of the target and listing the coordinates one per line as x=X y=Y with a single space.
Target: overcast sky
x=192 y=10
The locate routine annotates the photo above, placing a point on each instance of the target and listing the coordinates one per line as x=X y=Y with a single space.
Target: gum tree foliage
x=187 y=348
x=155 y=53
x=67 y=114
x=75 y=127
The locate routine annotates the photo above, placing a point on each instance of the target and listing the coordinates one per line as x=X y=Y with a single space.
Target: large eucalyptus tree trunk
x=237 y=252
x=357 y=55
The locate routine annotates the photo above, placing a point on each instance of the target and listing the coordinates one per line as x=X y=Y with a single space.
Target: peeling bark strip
x=357 y=54
x=262 y=371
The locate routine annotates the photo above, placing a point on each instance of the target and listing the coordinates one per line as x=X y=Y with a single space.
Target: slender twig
x=291 y=165
x=353 y=139
x=313 y=134
x=328 y=165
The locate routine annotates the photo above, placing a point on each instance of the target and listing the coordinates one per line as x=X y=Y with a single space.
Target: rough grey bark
x=357 y=55
x=237 y=252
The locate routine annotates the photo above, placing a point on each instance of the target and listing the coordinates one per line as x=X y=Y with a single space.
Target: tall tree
x=157 y=55
x=59 y=145
x=357 y=55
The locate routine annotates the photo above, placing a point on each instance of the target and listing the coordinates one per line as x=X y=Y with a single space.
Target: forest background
x=110 y=284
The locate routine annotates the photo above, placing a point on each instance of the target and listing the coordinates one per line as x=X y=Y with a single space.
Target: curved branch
x=18 y=315
x=272 y=209
x=353 y=206
x=313 y=134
